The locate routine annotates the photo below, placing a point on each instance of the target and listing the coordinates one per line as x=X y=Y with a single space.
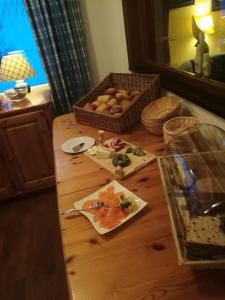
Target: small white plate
x=69 y=144
x=118 y=188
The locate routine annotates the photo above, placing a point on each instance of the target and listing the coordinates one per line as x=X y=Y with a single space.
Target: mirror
x=172 y=39
x=186 y=25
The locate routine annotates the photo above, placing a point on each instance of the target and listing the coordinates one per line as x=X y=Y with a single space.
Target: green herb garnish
x=120 y=160
x=127 y=202
x=129 y=149
x=138 y=151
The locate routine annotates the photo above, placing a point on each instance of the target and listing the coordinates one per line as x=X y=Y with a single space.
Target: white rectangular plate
x=118 y=188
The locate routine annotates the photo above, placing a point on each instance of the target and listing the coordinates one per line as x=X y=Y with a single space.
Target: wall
x=201 y=114
x=106 y=42
x=105 y=36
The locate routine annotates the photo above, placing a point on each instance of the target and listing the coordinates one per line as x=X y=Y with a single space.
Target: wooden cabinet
x=6 y=187
x=26 y=160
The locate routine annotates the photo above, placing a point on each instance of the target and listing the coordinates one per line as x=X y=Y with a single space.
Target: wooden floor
x=31 y=259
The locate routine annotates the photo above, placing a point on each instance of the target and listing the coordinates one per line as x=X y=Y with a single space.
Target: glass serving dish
x=193 y=176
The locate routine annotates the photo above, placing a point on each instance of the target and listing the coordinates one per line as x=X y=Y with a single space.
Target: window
x=16 y=34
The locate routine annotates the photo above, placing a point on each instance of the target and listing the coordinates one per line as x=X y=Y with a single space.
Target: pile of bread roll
x=112 y=102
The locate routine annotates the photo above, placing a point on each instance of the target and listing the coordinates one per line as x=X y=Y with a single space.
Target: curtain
x=58 y=32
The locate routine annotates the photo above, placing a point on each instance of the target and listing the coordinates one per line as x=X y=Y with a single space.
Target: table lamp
x=206 y=24
x=15 y=67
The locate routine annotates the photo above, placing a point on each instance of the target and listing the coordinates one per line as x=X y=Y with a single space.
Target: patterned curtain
x=58 y=31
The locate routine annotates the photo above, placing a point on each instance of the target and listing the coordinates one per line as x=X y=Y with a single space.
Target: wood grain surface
x=138 y=260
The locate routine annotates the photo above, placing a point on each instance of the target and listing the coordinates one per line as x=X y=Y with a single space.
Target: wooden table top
x=138 y=260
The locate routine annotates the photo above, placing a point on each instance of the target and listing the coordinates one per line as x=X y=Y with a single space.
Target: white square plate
x=118 y=188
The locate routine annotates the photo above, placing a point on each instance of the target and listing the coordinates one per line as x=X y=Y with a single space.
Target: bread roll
x=124 y=92
x=103 y=107
x=103 y=98
x=119 y=96
x=117 y=115
x=125 y=104
x=112 y=102
x=95 y=104
x=134 y=94
x=116 y=109
x=110 y=91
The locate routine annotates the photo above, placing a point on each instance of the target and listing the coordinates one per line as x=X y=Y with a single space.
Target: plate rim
x=90 y=216
x=76 y=137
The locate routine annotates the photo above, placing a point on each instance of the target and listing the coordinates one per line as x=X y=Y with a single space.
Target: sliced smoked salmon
x=110 y=213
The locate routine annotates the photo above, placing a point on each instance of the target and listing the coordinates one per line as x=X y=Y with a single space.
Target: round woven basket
x=157 y=130
x=161 y=109
x=176 y=126
x=158 y=112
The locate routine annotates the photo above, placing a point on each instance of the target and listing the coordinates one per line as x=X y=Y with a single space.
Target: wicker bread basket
x=176 y=126
x=149 y=87
x=161 y=109
x=158 y=112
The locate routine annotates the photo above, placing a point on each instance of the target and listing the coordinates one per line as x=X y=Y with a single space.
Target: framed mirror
x=180 y=3
x=218 y=5
x=162 y=40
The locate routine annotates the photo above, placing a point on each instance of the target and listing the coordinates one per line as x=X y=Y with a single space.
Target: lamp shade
x=15 y=67
x=206 y=24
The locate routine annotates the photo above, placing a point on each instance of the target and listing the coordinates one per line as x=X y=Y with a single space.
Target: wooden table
x=138 y=260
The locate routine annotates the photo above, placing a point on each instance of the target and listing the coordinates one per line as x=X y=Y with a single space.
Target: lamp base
x=19 y=91
x=22 y=87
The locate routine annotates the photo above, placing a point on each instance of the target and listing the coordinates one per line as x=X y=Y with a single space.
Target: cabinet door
x=6 y=188
x=28 y=150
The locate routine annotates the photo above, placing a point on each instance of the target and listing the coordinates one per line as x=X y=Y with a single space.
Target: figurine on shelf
x=202 y=58
x=206 y=65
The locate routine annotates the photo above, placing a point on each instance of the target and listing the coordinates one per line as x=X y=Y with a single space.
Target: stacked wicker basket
x=177 y=126
x=158 y=112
